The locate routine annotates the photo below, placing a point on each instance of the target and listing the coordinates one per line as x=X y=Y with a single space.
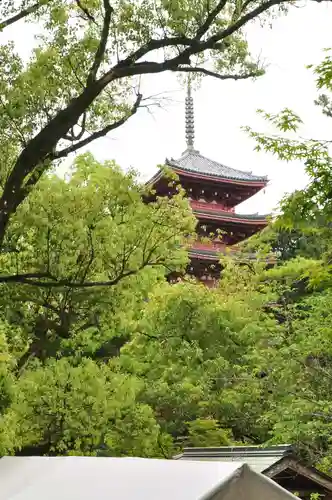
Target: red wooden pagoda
x=214 y=191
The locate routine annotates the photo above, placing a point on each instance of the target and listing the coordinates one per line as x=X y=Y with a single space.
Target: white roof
x=92 y=478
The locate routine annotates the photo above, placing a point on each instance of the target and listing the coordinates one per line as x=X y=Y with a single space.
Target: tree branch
x=101 y=133
x=75 y=72
x=221 y=35
x=22 y=14
x=25 y=279
x=22 y=278
x=86 y=11
x=91 y=257
x=210 y=18
x=42 y=146
x=33 y=278
x=13 y=121
x=102 y=43
x=155 y=45
x=207 y=72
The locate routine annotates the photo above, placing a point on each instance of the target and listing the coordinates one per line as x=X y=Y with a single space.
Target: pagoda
x=214 y=191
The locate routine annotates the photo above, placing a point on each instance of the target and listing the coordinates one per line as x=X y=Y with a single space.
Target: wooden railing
x=218 y=207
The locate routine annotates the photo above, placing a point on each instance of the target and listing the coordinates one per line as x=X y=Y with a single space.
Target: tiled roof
x=232 y=215
x=193 y=161
x=214 y=255
x=205 y=254
x=258 y=458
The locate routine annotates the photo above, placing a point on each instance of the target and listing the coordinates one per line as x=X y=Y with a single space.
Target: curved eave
x=227 y=217
x=186 y=172
x=205 y=255
x=157 y=176
x=191 y=174
x=214 y=256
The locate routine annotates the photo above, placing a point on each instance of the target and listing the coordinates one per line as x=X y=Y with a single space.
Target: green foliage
x=83 y=76
x=297 y=359
x=141 y=367
x=97 y=250
x=312 y=205
x=286 y=243
x=191 y=348
x=207 y=433
x=83 y=260
x=60 y=408
x=99 y=355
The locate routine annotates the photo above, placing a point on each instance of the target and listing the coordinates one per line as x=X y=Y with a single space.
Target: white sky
x=221 y=108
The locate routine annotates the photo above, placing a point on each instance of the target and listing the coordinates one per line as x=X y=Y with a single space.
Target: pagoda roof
x=231 y=216
x=206 y=254
x=214 y=255
x=193 y=162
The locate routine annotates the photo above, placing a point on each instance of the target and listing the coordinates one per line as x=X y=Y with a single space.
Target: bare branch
x=81 y=133
x=204 y=71
x=22 y=14
x=34 y=178
x=71 y=136
x=102 y=43
x=101 y=133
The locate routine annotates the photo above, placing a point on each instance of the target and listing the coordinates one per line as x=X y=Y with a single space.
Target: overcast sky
x=221 y=108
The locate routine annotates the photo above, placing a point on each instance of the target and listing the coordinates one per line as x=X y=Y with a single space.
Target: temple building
x=280 y=463
x=214 y=191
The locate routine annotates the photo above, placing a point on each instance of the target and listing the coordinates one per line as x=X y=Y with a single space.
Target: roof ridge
x=251 y=450
x=198 y=153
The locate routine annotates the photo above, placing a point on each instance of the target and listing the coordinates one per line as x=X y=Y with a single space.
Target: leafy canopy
x=83 y=78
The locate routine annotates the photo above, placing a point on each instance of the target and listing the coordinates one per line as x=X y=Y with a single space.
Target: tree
x=297 y=362
x=141 y=367
x=96 y=250
x=79 y=408
x=192 y=348
x=286 y=243
x=249 y=362
x=79 y=83
x=309 y=208
x=298 y=358
x=86 y=240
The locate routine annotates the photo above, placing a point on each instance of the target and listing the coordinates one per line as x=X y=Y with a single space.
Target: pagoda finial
x=189 y=113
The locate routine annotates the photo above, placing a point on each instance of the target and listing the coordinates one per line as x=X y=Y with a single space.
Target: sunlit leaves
x=84 y=409
x=60 y=391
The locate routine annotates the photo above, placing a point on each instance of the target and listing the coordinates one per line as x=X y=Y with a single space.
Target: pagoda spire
x=189 y=115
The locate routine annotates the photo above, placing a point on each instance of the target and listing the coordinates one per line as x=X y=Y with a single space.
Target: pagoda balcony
x=213 y=248
x=213 y=206
x=213 y=251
